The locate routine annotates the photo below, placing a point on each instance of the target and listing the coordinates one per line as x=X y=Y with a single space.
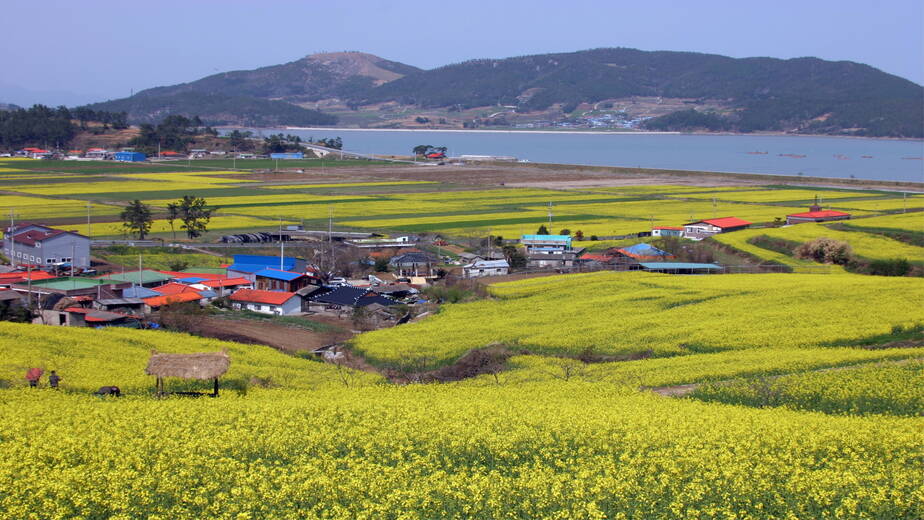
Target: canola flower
x=893 y=388
x=632 y=313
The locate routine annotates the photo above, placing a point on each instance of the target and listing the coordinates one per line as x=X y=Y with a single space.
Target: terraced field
x=543 y=437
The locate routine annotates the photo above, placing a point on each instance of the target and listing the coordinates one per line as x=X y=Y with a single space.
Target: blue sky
x=74 y=52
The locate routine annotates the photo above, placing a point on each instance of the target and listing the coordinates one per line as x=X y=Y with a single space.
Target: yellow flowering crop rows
x=781 y=195
x=912 y=202
x=896 y=222
x=634 y=313
x=893 y=388
x=549 y=450
x=30 y=208
x=866 y=245
x=217 y=223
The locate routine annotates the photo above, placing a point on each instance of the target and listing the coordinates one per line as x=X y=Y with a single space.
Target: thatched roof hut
x=203 y=366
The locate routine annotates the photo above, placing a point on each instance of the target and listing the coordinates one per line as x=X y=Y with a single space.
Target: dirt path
x=285 y=338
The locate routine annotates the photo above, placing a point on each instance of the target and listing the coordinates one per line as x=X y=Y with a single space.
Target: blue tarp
x=645 y=250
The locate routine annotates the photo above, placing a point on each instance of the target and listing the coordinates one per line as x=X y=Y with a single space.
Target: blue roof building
x=287 y=155
x=130 y=157
x=246 y=266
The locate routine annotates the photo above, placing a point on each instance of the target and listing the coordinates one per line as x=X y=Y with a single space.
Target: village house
x=667 y=231
x=34 y=244
x=279 y=303
x=816 y=214
x=335 y=298
x=145 y=278
x=154 y=303
x=414 y=264
x=626 y=258
x=228 y=285
x=480 y=268
x=550 y=251
x=276 y=280
x=706 y=228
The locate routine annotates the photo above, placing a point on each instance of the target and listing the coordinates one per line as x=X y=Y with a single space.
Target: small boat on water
x=793 y=155
x=866 y=157
x=757 y=153
x=913 y=158
x=841 y=157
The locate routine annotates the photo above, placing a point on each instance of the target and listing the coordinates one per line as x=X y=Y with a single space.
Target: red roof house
x=817 y=216
x=167 y=299
x=704 y=228
x=267 y=302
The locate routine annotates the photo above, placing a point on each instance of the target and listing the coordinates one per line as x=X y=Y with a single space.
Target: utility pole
x=88 y=219
x=282 y=247
x=140 y=274
x=330 y=235
x=550 y=216
x=12 y=233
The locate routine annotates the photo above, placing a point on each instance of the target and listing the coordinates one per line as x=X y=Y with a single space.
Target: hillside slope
x=265 y=96
x=805 y=94
x=801 y=95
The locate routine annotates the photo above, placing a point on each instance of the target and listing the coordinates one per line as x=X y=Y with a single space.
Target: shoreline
x=582 y=132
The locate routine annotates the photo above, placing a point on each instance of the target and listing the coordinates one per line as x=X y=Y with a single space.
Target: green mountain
x=265 y=96
x=804 y=94
x=215 y=108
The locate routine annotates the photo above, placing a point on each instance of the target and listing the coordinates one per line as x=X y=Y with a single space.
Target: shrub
x=826 y=251
x=893 y=267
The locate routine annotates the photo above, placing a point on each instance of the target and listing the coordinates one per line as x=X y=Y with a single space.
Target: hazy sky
x=62 y=51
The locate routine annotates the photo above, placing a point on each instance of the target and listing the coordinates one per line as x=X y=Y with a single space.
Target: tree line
x=51 y=127
x=193 y=213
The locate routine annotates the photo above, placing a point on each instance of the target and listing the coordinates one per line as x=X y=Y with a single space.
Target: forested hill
x=265 y=96
x=802 y=95
x=806 y=94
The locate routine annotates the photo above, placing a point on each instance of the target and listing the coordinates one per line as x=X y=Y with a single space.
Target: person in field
x=54 y=379
x=33 y=375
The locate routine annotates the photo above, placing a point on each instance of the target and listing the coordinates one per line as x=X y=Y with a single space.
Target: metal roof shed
x=680 y=267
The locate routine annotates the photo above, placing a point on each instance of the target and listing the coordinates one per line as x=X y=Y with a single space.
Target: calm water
x=823 y=156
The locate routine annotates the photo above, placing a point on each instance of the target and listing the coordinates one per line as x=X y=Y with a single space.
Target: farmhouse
x=34 y=244
x=550 y=251
x=279 y=303
x=667 y=231
x=156 y=302
x=227 y=285
x=480 y=268
x=145 y=278
x=337 y=297
x=706 y=228
x=276 y=280
x=817 y=215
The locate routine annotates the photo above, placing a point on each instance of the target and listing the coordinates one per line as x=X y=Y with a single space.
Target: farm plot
x=893 y=388
x=785 y=195
x=867 y=245
x=612 y=314
x=32 y=208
